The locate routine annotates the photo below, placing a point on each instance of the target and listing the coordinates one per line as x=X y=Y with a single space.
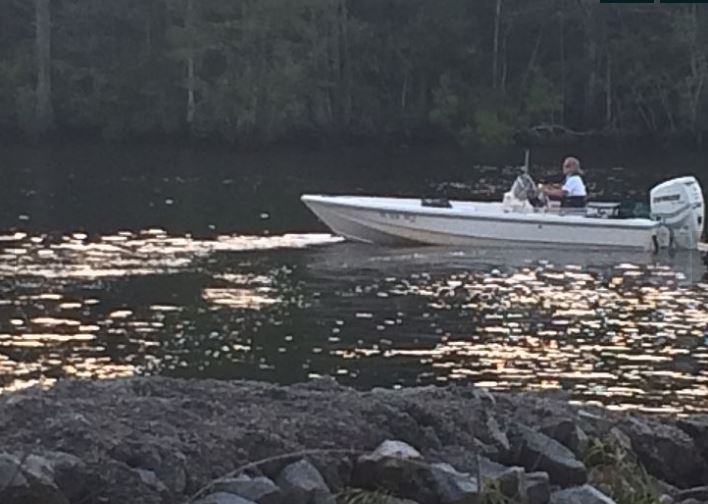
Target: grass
x=616 y=471
x=360 y=496
x=492 y=493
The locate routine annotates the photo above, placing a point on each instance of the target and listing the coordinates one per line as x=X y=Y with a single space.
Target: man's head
x=571 y=166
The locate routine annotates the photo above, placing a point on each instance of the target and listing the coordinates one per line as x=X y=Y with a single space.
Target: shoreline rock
x=161 y=440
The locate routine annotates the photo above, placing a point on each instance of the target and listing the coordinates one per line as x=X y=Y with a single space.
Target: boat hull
x=395 y=221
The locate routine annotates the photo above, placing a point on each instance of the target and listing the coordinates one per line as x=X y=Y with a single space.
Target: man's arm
x=554 y=191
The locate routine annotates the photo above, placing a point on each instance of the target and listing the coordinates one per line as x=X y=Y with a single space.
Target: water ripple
x=629 y=334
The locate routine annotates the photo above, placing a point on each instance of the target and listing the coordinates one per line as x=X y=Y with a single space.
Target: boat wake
x=76 y=256
x=335 y=261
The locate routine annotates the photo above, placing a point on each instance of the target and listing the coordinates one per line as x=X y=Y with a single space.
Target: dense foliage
x=253 y=71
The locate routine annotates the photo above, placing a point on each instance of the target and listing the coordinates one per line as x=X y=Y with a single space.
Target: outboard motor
x=679 y=205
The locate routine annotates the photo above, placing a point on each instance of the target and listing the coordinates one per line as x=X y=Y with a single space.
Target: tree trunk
x=591 y=65
x=44 y=113
x=495 y=54
x=562 y=66
x=191 y=102
x=591 y=85
x=335 y=60
x=423 y=94
x=532 y=59
x=698 y=74
x=608 y=91
x=345 y=62
x=148 y=34
x=329 y=67
x=504 y=62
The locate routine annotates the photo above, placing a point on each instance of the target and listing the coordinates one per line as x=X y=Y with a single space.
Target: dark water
x=117 y=261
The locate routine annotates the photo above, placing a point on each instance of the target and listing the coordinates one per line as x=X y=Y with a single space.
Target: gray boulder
x=585 y=494
x=223 y=498
x=696 y=426
x=691 y=501
x=172 y=471
x=620 y=438
x=169 y=465
x=488 y=468
x=397 y=469
x=698 y=493
x=301 y=482
x=567 y=432
x=38 y=467
x=595 y=423
x=260 y=489
x=11 y=472
x=28 y=481
x=71 y=475
x=509 y=480
x=336 y=470
x=395 y=449
x=453 y=487
x=324 y=498
x=662 y=487
x=666 y=451
x=536 y=488
x=390 y=458
x=496 y=435
x=151 y=480
x=484 y=396
x=538 y=452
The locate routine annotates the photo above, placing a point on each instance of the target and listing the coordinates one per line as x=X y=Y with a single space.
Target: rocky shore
x=159 y=440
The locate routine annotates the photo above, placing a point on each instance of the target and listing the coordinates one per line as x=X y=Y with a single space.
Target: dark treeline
x=258 y=71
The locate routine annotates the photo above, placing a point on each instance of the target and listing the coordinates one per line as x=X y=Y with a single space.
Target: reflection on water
x=126 y=253
x=242 y=291
x=100 y=277
x=66 y=287
x=629 y=331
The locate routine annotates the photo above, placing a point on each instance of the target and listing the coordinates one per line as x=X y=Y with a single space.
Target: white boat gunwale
x=459 y=213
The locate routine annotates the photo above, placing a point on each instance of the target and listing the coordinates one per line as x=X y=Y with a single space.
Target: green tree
x=258 y=71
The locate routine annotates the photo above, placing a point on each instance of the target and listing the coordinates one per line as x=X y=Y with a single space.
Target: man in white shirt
x=573 y=193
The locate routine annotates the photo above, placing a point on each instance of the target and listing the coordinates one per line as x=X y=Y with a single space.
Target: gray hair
x=574 y=165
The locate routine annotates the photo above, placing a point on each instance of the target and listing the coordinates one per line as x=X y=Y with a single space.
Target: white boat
x=677 y=220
